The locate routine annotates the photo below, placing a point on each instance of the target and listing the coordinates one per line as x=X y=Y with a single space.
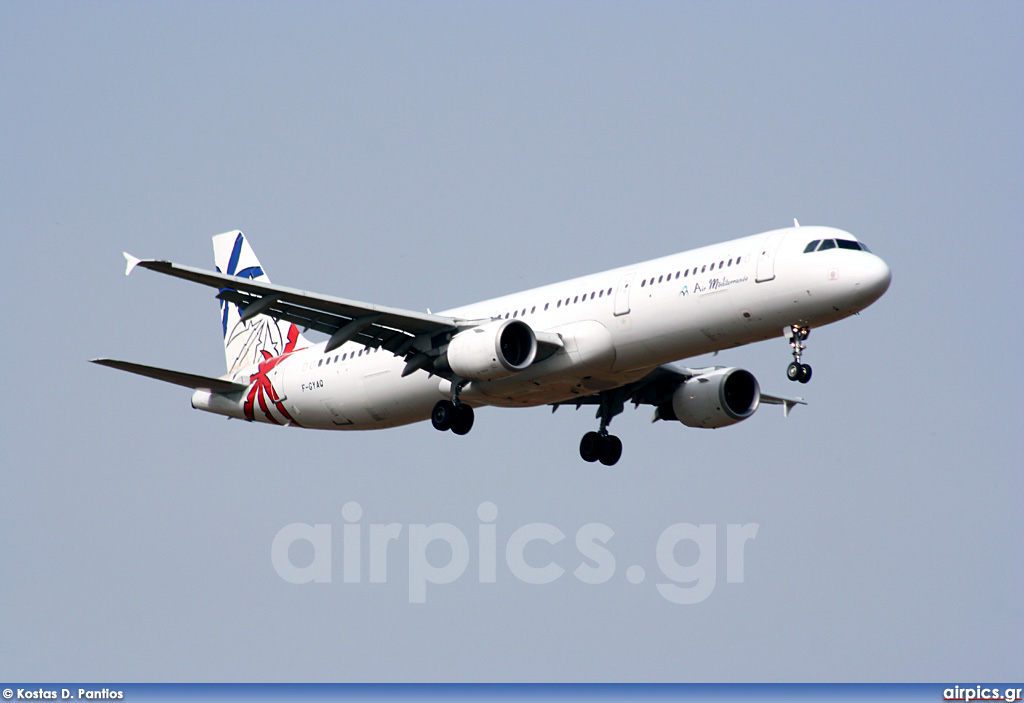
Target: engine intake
x=716 y=399
x=493 y=350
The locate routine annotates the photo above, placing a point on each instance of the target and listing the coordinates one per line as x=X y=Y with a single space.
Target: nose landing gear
x=797 y=371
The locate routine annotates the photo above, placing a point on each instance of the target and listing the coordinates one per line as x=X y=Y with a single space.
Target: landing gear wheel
x=443 y=415
x=611 y=450
x=462 y=422
x=805 y=373
x=794 y=372
x=590 y=446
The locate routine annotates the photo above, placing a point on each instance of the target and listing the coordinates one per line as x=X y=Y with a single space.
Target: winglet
x=132 y=263
x=796 y=223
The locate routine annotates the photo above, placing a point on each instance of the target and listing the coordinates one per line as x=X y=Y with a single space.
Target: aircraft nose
x=875 y=277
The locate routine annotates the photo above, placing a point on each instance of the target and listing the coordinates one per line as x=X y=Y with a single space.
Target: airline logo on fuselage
x=712 y=284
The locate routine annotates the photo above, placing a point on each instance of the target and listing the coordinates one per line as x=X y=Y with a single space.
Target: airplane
x=601 y=340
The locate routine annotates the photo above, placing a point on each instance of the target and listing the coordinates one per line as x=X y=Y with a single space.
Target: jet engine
x=718 y=398
x=493 y=350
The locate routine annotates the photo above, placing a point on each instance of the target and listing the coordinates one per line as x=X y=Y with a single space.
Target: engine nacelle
x=491 y=351
x=716 y=399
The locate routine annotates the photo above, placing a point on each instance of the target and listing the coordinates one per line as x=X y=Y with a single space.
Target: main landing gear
x=606 y=448
x=601 y=446
x=449 y=416
x=452 y=415
x=797 y=371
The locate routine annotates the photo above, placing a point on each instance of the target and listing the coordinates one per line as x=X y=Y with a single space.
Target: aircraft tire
x=805 y=373
x=462 y=421
x=590 y=446
x=443 y=415
x=611 y=450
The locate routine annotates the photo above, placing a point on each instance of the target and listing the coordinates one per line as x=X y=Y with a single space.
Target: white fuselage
x=616 y=326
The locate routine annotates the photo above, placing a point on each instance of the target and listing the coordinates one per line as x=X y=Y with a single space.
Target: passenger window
x=812 y=246
x=559 y=304
x=737 y=260
x=533 y=309
x=703 y=268
x=524 y=311
x=600 y=294
x=515 y=313
x=576 y=299
x=827 y=244
x=546 y=305
x=320 y=363
x=721 y=264
x=677 y=274
x=712 y=265
x=686 y=273
x=643 y=283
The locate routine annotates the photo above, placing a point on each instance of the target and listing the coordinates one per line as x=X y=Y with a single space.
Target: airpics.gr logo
x=686 y=555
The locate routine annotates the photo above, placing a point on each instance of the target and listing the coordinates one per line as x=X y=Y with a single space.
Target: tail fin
x=262 y=337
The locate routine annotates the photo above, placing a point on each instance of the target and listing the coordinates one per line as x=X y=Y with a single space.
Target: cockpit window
x=833 y=243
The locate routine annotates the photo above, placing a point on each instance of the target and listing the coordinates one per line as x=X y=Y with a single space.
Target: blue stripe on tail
x=250 y=273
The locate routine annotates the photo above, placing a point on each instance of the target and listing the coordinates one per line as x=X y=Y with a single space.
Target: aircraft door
x=766 y=259
x=622 y=294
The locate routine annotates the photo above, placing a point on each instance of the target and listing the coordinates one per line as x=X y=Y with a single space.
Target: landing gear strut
x=452 y=415
x=601 y=446
x=797 y=371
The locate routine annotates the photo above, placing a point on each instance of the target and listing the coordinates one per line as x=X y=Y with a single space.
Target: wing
x=345 y=320
x=657 y=387
x=786 y=403
x=405 y=333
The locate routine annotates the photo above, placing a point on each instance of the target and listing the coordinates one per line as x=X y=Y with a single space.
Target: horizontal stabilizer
x=189 y=380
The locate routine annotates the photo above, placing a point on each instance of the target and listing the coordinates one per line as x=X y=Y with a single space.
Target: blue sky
x=431 y=154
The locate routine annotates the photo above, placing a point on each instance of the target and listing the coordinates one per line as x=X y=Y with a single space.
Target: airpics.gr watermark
x=681 y=581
